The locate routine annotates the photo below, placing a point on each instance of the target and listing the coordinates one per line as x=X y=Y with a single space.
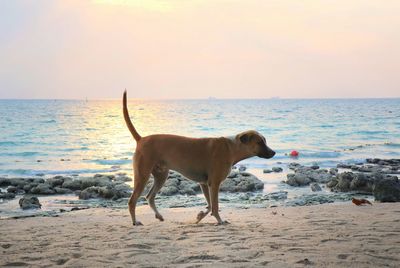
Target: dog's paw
x=223 y=223
x=200 y=216
x=137 y=223
x=160 y=217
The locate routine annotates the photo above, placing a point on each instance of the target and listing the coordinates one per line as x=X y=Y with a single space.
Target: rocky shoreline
x=374 y=177
x=113 y=187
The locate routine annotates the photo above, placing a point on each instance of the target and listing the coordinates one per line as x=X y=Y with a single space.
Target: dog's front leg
x=214 y=190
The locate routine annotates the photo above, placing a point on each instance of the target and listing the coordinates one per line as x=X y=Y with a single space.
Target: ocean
x=78 y=137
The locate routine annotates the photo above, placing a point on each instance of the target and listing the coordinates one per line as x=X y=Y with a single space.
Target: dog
x=207 y=161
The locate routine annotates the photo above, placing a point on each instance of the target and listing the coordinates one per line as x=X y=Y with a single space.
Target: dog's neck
x=237 y=148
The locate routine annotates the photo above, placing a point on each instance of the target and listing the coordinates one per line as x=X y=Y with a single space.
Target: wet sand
x=329 y=235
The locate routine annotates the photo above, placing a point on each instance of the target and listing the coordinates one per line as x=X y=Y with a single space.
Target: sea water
x=78 y=137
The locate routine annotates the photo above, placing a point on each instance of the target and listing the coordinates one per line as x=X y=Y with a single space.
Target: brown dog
x=206 y=161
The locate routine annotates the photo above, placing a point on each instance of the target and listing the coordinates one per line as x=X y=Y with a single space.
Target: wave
x=33 y=172
x=83 y=148
x=23 y=154
x=320 y=154
x=326 y=126
x=14 y=143
x=48 y=121
x=112 y=161
x=392 y=144
x=8 y=143
x=371 y=132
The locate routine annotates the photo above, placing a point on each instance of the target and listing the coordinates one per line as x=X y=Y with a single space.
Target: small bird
x=359 y=202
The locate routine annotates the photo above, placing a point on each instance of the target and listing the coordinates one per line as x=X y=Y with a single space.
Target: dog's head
x=255 y=144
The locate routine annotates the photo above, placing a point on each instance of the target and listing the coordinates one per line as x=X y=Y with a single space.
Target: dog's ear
x=245 y=138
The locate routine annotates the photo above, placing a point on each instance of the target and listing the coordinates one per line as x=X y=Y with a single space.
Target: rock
x=56 y=181
x=187 y=187
x=108 y=192
x=277 y=169
x=305 y=175
x=97 y=180
x=122 y=190
x=315 y=187
x=233 y=174
x=29 y=203
x=242 y=168
x=332 y=183
x=72 y=184
x=333 y=171
x=123 y=178
x=12 y=189
x=18 y=182
x=298 y=179
x=267 y=171
x=243 y=182
x=43 y=188
x=343 y=181
x=88 y=194
x=168 y=190
x=315 y=167
x=355 y=182
x=316 y=198
x=281 y=195
x=59 y=190
x=78 y=208
x=7 y=195
x=362 y=183
x=171 y=186
x=384 y=162
x=342 y=165
x=387 y=190
x=293 y=165
x=4 y=182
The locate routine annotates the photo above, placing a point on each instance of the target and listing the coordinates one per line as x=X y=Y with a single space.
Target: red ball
x=294 y=153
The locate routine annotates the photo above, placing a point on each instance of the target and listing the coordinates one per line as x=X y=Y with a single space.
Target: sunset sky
x=196 y=49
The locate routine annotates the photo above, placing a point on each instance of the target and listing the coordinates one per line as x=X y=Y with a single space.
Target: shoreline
x=304 y=185
x=331 y=235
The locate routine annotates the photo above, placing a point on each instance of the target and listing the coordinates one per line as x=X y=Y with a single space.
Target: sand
x=330 y=235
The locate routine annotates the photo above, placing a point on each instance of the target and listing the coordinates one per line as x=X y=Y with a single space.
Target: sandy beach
x=329 y=235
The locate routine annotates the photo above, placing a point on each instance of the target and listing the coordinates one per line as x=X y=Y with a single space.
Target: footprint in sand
x=140 y=246
x=201 y=257
x=305 y=262
x=15 y=264
x=6 y=246
x=343 y=256
x=76 y=255
x=61 y=261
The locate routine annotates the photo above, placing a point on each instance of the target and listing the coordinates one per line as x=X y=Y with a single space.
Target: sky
x=178 y=49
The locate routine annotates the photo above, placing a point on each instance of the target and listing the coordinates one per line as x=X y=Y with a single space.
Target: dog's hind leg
x=206 y=192
x=160 y=175
x=141 y=176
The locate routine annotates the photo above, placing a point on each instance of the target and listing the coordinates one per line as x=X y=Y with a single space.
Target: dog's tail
x=128 y=120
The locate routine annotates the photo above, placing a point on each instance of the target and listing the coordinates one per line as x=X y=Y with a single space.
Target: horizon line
x=206 y=98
